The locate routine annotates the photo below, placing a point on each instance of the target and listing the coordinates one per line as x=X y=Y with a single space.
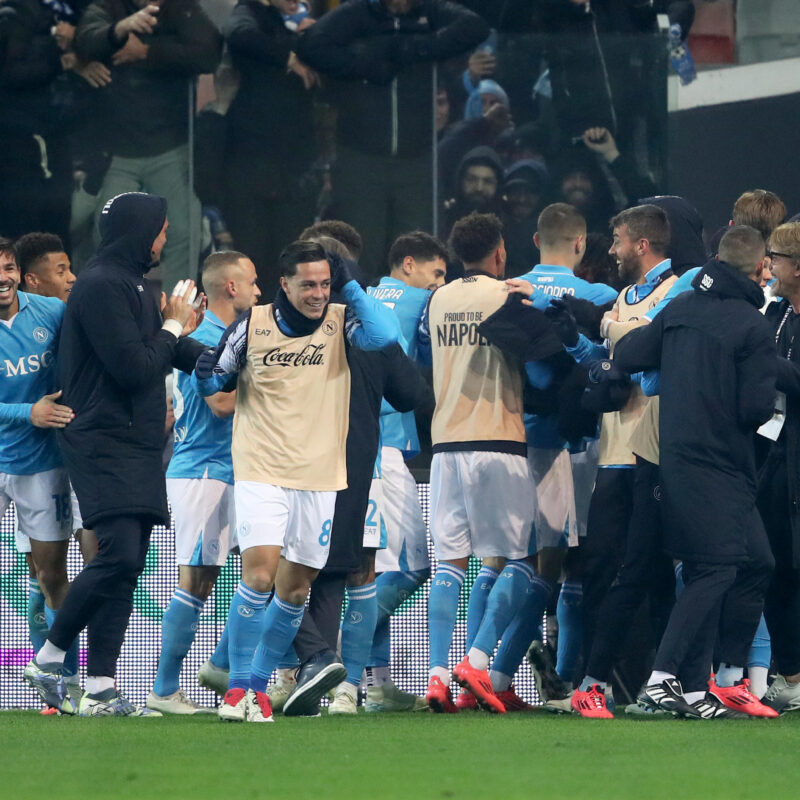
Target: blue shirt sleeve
x=15 y=412
x=369 y=324
x=650 y=382
x=683 y=284
x=424 y=351
x=586 y=350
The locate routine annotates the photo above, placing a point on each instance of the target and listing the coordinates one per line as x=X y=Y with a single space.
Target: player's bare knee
x=198 y=581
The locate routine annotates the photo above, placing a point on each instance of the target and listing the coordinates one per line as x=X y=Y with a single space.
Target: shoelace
x=596 y=698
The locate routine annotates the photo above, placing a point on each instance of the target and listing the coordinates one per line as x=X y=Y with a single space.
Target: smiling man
x=31 y=470
x=289 y=432
x=44 y=265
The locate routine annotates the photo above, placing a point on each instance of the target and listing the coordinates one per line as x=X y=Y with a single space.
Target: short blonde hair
x=760 y=209
x=786 y=239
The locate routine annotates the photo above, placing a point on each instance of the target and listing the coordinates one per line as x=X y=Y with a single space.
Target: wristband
x=173 y=326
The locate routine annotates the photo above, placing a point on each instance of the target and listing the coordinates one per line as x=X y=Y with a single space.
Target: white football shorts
x=297 y=521
x=407 y=538
x=584 y=473
x=203 y=512
x=42 y=501
x=555 y=521
x=482 y=504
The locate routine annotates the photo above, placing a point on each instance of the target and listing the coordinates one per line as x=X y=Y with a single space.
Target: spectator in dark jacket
x=270 y=148
x=716 y=356
x=153 y=52
x=114 y=354
x=380 y=52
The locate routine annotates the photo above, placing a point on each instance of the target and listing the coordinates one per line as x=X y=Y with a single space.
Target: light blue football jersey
x=550 y=281
x=408 y=303
x=28 y=347
x=202 y=441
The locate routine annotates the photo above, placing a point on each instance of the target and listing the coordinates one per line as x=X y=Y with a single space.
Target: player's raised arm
x=369 y=325
x=216 y=369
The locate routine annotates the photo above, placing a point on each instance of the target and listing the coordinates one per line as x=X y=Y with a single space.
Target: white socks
x=656 y=676
x=377 y=676
x=50 y=654
x=500 y=682
x=477 y=658
x=728 y=674
x=758 y=680
x=442 y=673
x=96 y=684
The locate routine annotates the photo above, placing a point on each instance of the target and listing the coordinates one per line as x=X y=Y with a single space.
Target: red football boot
x=480 y=684
x=439 y=698
x=466 y=701
x=513 y=702
x=740 y=698
x=591 y=704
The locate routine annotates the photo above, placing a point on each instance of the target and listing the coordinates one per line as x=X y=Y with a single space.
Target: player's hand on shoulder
x=519 y=286
x=47 y=413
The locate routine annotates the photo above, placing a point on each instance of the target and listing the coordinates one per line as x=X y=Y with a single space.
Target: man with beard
x=478 y=181
x=641 y=236
x=115 y=351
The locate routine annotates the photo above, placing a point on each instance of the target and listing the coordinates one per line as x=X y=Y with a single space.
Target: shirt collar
x=214 y=319
x=23 y=299
x=560 y=270
x=652 y=275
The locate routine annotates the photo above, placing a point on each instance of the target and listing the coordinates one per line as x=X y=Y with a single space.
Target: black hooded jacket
x=113 y=357
x=686 y=247
x=716 y=354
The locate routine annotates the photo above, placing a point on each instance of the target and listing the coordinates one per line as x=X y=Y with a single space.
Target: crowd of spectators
x=346 y=113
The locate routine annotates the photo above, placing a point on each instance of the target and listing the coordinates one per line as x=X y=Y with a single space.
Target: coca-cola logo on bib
x=311 y=355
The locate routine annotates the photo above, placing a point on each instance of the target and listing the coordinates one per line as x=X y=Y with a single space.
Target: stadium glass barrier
x=560 y=83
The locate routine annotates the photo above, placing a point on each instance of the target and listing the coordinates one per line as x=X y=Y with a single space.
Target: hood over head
x=686 y=246
x=484 y=156
x=129 y=224
x=725 y=281
x=474 y=105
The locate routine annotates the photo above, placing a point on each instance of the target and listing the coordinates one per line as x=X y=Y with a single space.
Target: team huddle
x=585 y=440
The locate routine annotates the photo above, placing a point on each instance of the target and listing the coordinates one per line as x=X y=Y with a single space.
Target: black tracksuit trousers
x=101 y=596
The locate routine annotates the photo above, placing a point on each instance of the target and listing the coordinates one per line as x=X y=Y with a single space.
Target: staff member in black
x=717 y=385
x=116 y=349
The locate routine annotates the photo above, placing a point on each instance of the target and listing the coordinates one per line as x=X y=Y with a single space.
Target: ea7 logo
x=261 y=331
x=707 y=282
x=443 y=582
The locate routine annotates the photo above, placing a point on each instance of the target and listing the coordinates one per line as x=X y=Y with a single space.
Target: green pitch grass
x=471 y=755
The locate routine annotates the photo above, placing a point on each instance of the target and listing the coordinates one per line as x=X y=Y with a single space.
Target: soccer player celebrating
x=418 y=267
x=481 y=498
x=200 y=483
x=288 y=450
x=31 y=469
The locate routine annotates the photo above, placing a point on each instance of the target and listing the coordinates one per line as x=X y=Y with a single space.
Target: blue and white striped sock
x=442 y=613
x=478 y=598
x=358 y=629
x=245 y=623
x=178 y=628
x=506 y=598
x=281 y=622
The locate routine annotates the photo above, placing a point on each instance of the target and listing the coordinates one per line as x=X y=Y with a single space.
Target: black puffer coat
x=113 y=357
